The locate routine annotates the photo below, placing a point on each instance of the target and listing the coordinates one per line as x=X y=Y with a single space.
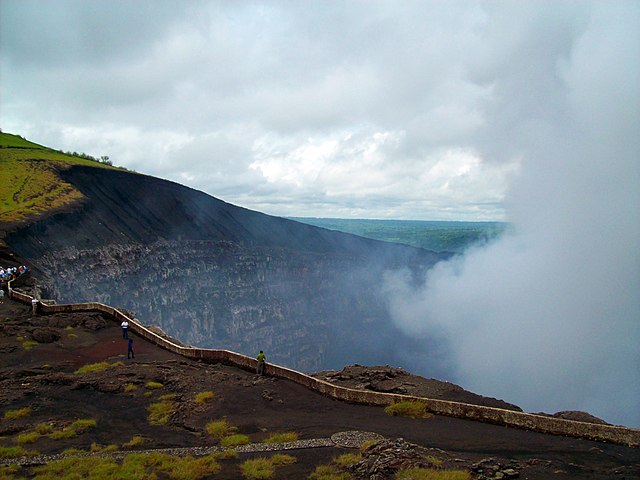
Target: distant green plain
x=438 y=236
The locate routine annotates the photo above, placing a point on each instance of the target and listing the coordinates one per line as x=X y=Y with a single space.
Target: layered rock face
x=308 y=311
x=219 y=276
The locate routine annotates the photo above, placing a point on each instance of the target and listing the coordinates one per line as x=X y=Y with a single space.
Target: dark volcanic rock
x=45 y=335
x=579 y=416
x=383 y=459
x=396 y=380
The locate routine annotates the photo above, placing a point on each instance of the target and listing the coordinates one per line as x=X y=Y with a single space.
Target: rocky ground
x=40 y=355
x=396 y=380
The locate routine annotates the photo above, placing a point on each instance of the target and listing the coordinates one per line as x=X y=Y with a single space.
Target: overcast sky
x=338 y=109
x=527 y=111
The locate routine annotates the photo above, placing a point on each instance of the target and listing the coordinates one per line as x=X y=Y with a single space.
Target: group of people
x=125 y=335
x=9 y=273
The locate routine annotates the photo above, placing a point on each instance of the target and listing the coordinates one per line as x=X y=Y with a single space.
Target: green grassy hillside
x=30 y=184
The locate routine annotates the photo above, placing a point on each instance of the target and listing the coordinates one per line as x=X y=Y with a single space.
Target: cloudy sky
x=334 y=109
x=525 y=111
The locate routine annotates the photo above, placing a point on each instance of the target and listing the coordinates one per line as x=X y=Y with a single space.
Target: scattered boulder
x=58 y=378
x=383 y=459
x=95 y=323
x=492 y=469
x=397 y=380
x=579 y=416
x=45 y=335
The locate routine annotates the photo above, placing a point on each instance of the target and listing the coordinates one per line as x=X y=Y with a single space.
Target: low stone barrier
x=538 y=423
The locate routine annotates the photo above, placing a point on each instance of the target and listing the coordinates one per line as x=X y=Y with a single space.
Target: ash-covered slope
x=122 y=207
x=216 y=275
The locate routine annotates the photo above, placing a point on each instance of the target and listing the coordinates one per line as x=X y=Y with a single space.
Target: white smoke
x=548 y=317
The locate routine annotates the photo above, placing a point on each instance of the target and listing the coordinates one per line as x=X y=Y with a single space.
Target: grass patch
x=204 y=397
x=220 y=428
x=80 y=426
x=30 y=184
x=9 y=471
x=329 y=472
x=97 y=367
x=73 y=430
x=68 y=327
x=366 y=444
x=280 y=459
x=73 y=451
x=19 y=413
x=179 y=468
x=408 y=408
x=347 y=459
x=72 y=335
x=130 y=387
x=44 y=429
x=27 y=437
x=135 y=441
x=63 y=434
x=96 y=447
x=189 y=468
x=235 y=440
x=431 y=474
x=226 y=454
x=29 y=344
x=265 y=468
x=282 y=437
x=160 y=412
x=153 y=385
x=77 y=468
x=258 y=469
x=15 y=452
x=335 y=471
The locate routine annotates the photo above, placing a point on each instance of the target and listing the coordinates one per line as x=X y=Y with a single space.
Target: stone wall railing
x=538 y=423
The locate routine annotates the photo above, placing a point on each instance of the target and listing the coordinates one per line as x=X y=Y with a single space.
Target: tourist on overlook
x=125 y=329
x=130 y=349
x=261 y=358
x=34 y=305
x=1 y=295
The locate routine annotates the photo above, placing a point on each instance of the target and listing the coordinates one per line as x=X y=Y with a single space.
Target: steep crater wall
x=213 y=274
x=311 y=311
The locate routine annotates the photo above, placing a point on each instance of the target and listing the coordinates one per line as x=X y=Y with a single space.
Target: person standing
x=130 y=349
x=1 y=295
x=261 y=358
x=34 y=305
x=125 y=329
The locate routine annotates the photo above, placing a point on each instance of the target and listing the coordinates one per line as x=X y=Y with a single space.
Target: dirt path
x=351 y=439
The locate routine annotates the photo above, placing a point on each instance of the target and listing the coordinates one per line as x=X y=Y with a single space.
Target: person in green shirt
x=261 y=358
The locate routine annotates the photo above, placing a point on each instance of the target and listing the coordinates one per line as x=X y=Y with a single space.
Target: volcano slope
x=213 y=274
x=39 y=376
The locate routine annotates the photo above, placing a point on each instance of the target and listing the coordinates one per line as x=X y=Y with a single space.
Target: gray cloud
x=206 y=69
x=547 y=317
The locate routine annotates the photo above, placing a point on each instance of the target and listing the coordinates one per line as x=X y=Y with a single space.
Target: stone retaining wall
x=539 y=423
